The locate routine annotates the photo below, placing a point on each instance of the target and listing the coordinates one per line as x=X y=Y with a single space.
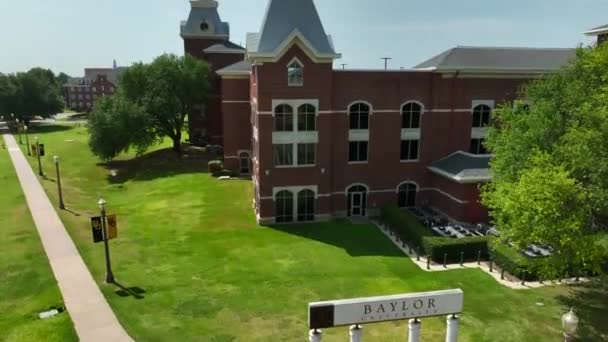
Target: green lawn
x=27 y=285
x=194 y=265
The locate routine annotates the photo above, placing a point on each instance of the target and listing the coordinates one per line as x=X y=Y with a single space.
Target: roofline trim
x=596 y=32
x=459 y=179
x=285 y=44
x=225 y=51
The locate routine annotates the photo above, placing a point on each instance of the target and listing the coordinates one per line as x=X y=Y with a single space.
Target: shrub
x=405 y=225
x=436 y=247
x=223 y=173
x=215 y=166
x=513 y=262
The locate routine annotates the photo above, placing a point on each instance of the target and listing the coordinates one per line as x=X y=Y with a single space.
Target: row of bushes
x=405 y=225
x=409 y=229
x=216 y=168
x=468 y=248
x=513 y=262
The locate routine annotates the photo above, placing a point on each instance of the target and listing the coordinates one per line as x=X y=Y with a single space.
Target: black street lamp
x=104 y=229
x=19 y=132
x=27 y=141
x=56 y=161
x=38 y=154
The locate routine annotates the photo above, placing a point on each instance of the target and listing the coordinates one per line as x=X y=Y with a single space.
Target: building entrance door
x=357 y=204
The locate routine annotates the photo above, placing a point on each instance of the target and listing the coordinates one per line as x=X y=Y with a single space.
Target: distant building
x=601 y=32
x=80 y=93
x=321 y=143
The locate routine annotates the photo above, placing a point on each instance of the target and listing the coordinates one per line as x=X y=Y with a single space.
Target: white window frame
x=417 y=152
x=301 y=66
x=348 y=153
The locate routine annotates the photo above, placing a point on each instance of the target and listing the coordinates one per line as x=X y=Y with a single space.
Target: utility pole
x=343 y=65
x=386 y=59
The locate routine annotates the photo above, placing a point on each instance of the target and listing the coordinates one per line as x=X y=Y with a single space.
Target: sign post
x=96 y=229
x=411 y=307
x=39 y=153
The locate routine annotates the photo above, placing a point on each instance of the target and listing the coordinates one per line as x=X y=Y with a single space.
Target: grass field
x=194 y=266
x=27 y=285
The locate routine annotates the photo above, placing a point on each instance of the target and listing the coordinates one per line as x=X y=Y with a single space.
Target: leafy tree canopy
x=168 y=89
x=550 y=164
x=29 y=94
x=117 y=124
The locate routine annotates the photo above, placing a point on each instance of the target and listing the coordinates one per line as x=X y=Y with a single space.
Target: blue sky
x=67 y=35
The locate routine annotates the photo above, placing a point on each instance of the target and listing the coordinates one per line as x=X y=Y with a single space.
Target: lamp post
x=27 y=141
x=569 y=325
x=19 y=132
x=38 y=154
x=104 y=229
x=56 y=161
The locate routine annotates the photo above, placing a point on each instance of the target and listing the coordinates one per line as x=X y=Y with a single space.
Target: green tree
x=116 y=125
x=550 y=164
x=34 y=93
x=168 y=89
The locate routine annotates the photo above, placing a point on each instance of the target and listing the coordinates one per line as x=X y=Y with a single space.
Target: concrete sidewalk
x=92 y=316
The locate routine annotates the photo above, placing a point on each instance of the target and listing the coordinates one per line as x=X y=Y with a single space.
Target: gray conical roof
x=282 y=20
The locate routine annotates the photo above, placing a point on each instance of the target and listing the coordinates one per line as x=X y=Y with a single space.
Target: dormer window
x=295 y=74
x=204 y=26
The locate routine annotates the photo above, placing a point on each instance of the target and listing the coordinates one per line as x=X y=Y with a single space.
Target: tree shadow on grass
x=40 y=128
x=590 y=302
x=158 y=164
x=357 y=240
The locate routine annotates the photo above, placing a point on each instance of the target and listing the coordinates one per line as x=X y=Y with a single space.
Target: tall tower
x=203 y=28
x=207 y=37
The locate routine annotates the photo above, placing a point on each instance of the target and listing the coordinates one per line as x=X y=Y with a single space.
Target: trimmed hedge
x=405 y=225
x=215 y=166
x=515 y=263
x=437 y=247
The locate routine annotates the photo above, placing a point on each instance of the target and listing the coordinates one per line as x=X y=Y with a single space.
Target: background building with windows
x=321 y=143
x=80 y=93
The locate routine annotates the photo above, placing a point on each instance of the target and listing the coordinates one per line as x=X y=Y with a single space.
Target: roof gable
x=204 y=11
x=286 y=20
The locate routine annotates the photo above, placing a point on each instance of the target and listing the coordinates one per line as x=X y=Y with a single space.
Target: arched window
x=284 y=207
x=306 y=118
x=359 y=116
x=306 y=206
x=481 y=115
x=244 y=163
x=295 y=74
x=283 y=118
x=410 y=115
x=407 y=195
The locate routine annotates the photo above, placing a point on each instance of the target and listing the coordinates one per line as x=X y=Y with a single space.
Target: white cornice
x=287 y=43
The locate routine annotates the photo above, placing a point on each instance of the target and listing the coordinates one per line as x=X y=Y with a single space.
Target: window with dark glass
x=407 y=195
x=481 y=115
x=204 y=26
x=283 y=118
x=283 y=154
x=409 y=149
x=284 y=207
x=357 y=151
x=306 y=118
x=359 y=116
x=410 y=115
x=477 y=147
x=295 y=74
x=306 y=154
x=306 y=206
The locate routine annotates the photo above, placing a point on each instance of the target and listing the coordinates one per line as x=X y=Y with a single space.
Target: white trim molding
x=358 y=135
x=475 y=103
x=353 y=185
x=371 y=107
x=407 y=182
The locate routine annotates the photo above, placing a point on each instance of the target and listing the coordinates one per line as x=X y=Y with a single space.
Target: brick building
x=321 y=143
x=80 y=93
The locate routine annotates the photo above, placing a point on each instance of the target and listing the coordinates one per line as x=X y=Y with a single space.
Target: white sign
x=387 y=308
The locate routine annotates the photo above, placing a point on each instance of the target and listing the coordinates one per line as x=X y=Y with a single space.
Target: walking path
x=484 y=266
x=92 y=316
